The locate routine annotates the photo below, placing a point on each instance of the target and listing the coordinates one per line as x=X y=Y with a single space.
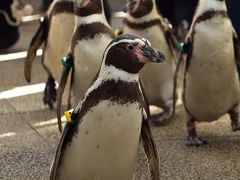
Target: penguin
x=211 y=83
x=102 y=139
x=91 y=35
x=55 y=31
x=144 y=19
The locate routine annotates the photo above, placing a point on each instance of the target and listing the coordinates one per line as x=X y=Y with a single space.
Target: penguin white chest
x=212 y=86
x=59 y=38
x=106 y=144
x=87 y=61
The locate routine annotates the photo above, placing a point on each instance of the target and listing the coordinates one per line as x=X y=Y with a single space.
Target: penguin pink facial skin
x=102 y=142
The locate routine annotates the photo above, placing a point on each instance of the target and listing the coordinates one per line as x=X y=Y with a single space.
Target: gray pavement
x=29 y=134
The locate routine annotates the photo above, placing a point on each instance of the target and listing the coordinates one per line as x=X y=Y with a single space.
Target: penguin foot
x=235 y=120
x=50 y=93
x=161 y=118
x=236 y=125
x=195 y=141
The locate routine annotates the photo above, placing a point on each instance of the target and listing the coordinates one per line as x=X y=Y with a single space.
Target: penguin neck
x=203 y=7
x=209 y=5
x=110 y=72
x=91 y=19
x=148 y=17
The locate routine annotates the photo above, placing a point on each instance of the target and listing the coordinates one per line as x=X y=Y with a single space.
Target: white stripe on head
x=137 y=40
x=110 y=72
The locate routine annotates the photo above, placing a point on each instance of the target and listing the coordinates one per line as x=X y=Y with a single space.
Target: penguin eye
x=130 y=47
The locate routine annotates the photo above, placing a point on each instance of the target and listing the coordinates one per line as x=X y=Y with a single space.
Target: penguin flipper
x=53 y=170
x=36 y=42
x=236 y=43
x=146 y=103
x=172 y=41
x=170 y=37
x=150 y=149
x=66 y=69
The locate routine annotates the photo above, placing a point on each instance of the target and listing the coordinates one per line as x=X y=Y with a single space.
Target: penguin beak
x=149 y=54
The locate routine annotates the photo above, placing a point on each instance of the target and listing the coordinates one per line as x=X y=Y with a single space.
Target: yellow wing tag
x=68 y=115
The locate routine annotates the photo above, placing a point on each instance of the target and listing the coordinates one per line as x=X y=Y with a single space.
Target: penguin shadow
x=222 y=143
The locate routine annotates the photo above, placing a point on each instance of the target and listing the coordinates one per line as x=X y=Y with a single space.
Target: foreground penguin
x=143 y=19
x=102 y=141
x=91 y=36
x=55 y=33
x=211 y=85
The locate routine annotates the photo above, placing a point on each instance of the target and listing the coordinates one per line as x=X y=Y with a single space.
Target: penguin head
x=130 y=52
x=88 y=7
x=139 y=8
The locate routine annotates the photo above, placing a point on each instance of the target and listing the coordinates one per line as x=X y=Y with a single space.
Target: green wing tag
x=66 y=62
x=184 y=47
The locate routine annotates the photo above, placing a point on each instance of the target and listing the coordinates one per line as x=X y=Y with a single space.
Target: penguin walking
x=102 y=139
x=144 y=19
x=211 y=84
x=55 y=33
x=91 y=36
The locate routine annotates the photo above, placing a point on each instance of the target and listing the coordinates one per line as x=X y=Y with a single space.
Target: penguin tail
x=68 y=64
x=36 y=42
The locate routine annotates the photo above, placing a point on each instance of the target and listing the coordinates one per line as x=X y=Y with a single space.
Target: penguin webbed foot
x=235 y=120
x=195 y=141
x=163 y=117
x=192 y=138
x=50 y=93
x=235 y=123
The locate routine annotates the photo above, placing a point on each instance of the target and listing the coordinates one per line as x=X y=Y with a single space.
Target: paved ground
x=29 y=134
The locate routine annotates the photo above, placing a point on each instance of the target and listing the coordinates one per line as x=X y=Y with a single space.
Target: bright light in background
x=119 y=14
x=21 y=91
x=18 y=55
x=7 y=134
x=49 y=122
x=31 y=18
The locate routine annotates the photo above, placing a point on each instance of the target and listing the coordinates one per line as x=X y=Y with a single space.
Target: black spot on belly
x=86 y=132
x=98 y=146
